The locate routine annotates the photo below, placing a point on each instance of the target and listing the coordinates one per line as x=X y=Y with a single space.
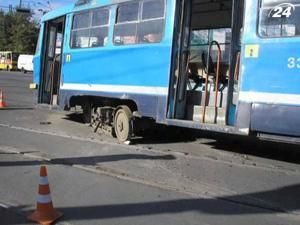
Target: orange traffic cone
x=44 y=214
x=2 y=103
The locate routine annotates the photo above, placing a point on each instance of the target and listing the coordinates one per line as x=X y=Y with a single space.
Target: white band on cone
x=44 y=180
x=44 y=198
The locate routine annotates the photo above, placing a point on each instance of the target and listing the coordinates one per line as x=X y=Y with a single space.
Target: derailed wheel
x=123 y=123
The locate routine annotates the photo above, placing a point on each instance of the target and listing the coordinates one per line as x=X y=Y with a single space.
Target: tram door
x=180 y=59
x=204 y=83
x=51 y=71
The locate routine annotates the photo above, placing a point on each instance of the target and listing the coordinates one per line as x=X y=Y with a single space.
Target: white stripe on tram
x=262 y=97
x=116 y=88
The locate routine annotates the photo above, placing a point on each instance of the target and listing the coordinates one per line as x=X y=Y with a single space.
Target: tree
x=18 y=33
x=2 y=30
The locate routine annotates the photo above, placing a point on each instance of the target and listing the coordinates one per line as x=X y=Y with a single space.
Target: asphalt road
x=165 y=177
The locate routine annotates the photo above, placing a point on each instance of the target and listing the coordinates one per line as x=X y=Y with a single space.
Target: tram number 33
x=294 y=63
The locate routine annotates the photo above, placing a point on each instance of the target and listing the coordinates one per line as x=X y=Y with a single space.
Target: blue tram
x=228 y=65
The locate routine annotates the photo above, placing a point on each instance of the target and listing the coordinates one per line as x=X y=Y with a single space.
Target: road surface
x=166 y=177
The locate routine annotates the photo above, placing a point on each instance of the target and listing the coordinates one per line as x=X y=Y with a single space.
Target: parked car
x=25 y=63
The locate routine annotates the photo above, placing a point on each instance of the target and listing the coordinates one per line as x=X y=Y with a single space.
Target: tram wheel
x=122 y=124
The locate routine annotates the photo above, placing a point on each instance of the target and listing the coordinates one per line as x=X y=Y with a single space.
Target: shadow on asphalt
x=161 y=134
x=221 y=142
x=89 y=160
x=251 y=146
x=285 y=152
x=76 y=117
x=281 y=200
x=12 y=216
x=8 y=108
x=207 y=206
x=93 y=160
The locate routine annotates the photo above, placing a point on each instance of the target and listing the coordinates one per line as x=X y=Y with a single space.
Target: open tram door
x=51 y=63
x=206 y=62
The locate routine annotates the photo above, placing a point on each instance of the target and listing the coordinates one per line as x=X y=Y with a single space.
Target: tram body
x=226 y=66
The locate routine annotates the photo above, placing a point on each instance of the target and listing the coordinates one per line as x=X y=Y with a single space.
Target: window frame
x=210 y=34
x=90 y=27
x=140 y=20
x=125 y=3
x=80 y=13
x=258 y=25
x=157 y=18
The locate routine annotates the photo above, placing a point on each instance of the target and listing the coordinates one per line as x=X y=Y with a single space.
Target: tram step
x=197 y=98
x=210 y=114
x=54 y=99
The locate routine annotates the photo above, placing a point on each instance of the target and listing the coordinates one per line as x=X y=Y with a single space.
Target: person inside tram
x=152 y=37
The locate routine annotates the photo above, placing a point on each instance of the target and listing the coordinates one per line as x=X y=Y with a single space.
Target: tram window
x=98 y=37
x=199 y=37
x=279 y=19
x=125 y=34
x=126 y=27
x=129 y=29
x=200 y=40
x=95 y=31
x=222 y=35
x=51 y=43
x=81 y=20
x=100 y=17
x=128 y=12
x=80 y=38
x=150 y=31
x=153 y=9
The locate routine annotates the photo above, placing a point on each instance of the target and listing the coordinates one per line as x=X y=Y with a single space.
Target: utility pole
x=20 y=9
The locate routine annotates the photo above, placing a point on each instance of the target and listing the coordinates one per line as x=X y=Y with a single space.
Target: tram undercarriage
x=204 y=80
